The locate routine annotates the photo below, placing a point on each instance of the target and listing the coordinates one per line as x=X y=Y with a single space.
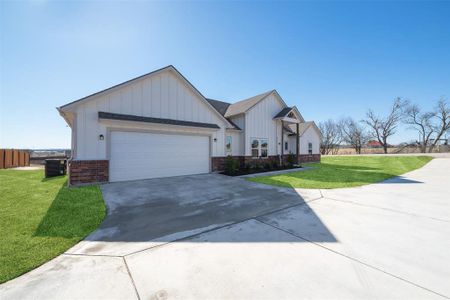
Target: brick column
x=88 y=171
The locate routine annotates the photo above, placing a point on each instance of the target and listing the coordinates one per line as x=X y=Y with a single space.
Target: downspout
x=277 y=143
x=298 y=144
x=72 y=140
x=282 y=142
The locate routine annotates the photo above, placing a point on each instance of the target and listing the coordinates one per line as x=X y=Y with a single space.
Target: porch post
x=298 y=144
x=282 y=142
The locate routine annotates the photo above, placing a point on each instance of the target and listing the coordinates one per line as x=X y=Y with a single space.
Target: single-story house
x=374 y=144
x=160 y=125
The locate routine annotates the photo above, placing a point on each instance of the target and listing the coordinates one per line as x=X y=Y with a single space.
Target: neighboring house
x=374 y=144
x=160 y=125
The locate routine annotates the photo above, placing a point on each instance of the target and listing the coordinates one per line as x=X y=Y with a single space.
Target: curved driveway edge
x=385 y=240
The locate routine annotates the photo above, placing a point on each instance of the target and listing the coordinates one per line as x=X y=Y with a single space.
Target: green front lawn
x=41 y=218
x=346 y=171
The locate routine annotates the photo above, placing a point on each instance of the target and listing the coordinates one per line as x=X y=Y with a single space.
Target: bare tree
x=442 y=114
x=331 y=137
x=354 y=134
x=383 y=128
x=422 y=122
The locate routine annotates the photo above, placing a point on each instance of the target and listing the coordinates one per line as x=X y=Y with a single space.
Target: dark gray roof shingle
x=220 y=106
x=283 y=113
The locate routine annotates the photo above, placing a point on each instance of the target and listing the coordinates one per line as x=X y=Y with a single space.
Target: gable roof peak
x=168 y=67
x=244 y=105
x=120 y=85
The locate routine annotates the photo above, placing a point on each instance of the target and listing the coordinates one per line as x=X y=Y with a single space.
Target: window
x=310 y=148
x=285 y=146
x=264 y=145
x=255 y=148
x=228 y=144
x=259 y=148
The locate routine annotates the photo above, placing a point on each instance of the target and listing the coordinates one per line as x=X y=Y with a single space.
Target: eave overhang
x=133 y=118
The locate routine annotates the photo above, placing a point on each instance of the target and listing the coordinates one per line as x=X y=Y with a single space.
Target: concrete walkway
x=386 y=240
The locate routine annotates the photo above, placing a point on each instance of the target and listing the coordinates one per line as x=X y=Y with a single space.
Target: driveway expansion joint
x=95 y=255
x=355 y=260
x=131 y=278
x=387 y=209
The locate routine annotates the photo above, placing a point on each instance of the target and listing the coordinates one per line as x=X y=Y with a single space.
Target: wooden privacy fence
x=11 y=158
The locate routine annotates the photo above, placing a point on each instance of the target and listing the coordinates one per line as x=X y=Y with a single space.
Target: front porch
x=287 y=117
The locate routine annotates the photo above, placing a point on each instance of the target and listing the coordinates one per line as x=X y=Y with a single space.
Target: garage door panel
x=136 y=155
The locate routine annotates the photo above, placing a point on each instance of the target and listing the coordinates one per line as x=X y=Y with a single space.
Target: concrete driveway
x=212 y=236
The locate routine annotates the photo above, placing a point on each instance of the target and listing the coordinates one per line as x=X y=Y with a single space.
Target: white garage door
x=136 y=155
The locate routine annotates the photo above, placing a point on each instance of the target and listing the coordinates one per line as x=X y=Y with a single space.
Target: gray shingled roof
x=244 y=105
x=220 y=106
x=122 y=117
x=283 y=113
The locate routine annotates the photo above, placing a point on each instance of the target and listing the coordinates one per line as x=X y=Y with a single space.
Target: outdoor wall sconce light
x=215 y=139
x=101 y=137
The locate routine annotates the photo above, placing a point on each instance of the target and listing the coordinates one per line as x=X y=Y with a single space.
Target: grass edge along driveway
x=41 y=218
x=346 y=171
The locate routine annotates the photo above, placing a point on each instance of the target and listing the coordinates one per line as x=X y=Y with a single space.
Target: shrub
x=291 y=159
x=231 y=165
x=257 y=166
x=274 y=164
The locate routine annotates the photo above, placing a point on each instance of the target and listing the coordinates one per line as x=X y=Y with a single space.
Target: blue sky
x=331 y=59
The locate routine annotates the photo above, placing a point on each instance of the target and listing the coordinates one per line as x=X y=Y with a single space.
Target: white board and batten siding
x=237 y=143
x=238 y=137
x=162 y=95
x=259 y=123
x=239 y=120
x=309 y=136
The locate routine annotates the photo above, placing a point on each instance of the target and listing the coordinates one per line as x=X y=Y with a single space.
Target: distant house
x=374 y=144
x=160 y=125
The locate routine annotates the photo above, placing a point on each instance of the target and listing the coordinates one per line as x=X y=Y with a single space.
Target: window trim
x=259 y=148
x=266 y=141
x=253 y=148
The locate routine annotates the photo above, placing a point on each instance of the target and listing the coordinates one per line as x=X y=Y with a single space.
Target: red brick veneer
x=262 y=161
x=88 y=171
x=309 y=158
x=218 y=163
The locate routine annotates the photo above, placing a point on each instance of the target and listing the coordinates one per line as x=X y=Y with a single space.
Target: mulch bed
x=262 y=170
